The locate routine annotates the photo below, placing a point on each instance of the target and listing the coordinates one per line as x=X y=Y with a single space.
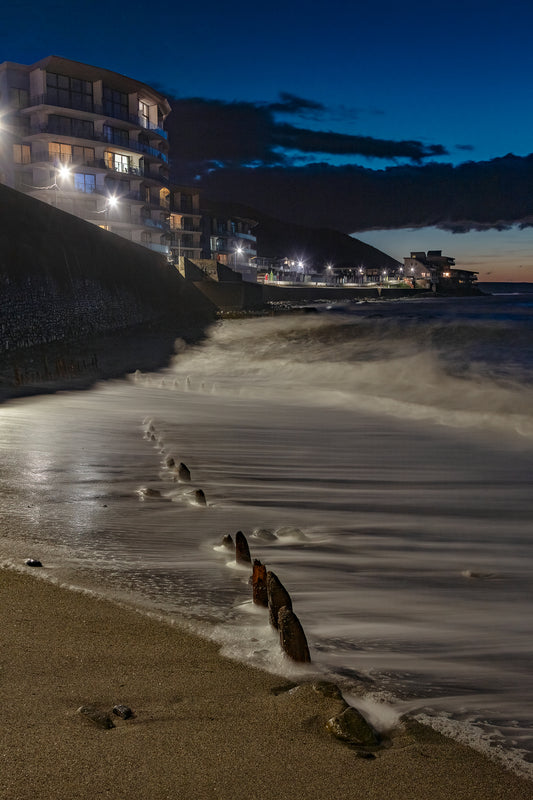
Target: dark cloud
x=292 y=104
x=291 y=138
x=239 y=152
x=204 y=134
x=483 y=195
x=468 y=147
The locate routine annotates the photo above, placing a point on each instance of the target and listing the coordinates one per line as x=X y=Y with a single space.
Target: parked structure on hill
x=437 y=270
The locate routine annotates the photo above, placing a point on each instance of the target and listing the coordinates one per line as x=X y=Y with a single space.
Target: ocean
x=377 y=455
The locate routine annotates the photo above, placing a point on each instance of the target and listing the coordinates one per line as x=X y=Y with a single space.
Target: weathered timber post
x=278 y=597
x=259 y=585
x=292 y=636
x=183 y=472
x=242 y=551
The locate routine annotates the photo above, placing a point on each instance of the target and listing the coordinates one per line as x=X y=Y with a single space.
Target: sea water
x=378 y=457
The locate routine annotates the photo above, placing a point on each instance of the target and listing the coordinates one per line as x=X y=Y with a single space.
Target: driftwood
x=259 y=585
x=242 y=551
x=278 y=597
x=292 y=636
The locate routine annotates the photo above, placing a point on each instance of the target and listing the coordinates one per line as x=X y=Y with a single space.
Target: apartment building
x=232 y=242
x=185 y=223
x=91 y=142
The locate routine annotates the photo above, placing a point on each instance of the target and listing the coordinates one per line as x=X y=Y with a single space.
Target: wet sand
x=204 y=726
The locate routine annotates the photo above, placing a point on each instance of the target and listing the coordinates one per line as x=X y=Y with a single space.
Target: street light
x=111 y=202
x=63 y=173
x=238 y=251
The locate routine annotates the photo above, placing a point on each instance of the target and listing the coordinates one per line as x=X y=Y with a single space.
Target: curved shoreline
x=204 y=726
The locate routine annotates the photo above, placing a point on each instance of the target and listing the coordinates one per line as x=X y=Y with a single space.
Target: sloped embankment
x=78 y=303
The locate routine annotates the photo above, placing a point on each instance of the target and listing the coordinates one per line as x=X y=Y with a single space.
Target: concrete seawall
x=243 y=296
x=78 y=303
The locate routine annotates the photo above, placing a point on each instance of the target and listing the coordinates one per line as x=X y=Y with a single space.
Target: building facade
x=434 y=270
x=232 y=242
x=185 y=223
x=90 y=142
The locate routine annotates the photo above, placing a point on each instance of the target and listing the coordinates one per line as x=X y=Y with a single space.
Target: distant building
x=232 y=242
x=434 y=270
x=185 y=223
x=91 y=142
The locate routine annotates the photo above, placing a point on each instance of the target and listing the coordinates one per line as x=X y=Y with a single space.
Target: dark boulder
x=33 y=562
x=351 y=727
x=124 y=712
x=99 y=718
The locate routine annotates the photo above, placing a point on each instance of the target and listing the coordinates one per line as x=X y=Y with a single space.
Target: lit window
x=60 y=153
x=118 y=162
x=84 y=183
x=21 y=153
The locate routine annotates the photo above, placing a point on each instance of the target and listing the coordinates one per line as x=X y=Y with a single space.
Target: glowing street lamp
x=238 y=251
x=111 y=203
x=63 y=172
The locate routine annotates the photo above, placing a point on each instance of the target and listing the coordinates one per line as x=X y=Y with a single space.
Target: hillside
x=315 y=246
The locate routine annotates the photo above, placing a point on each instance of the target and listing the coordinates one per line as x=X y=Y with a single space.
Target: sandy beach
x=203 y=726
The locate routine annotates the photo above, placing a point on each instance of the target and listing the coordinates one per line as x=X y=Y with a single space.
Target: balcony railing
x=51 y=99
x=153 y=223
x=186 y=228
x=60 y=159
x=138 y=147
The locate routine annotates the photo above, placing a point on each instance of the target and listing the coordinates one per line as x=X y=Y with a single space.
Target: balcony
x=186 y=228
x=138 y=147
x=152 y=223
x=87 y=105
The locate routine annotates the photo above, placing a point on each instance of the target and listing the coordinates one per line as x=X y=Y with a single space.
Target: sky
x=359 y=116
